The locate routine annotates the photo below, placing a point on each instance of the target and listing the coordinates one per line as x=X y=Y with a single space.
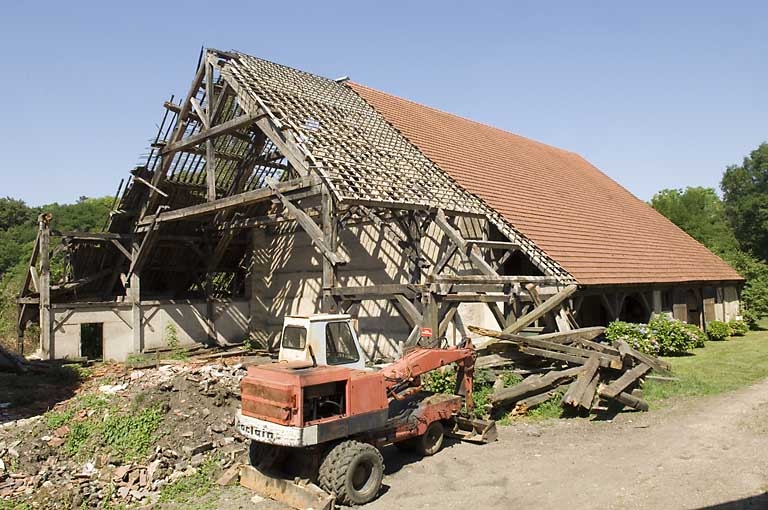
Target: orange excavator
x=332 y=419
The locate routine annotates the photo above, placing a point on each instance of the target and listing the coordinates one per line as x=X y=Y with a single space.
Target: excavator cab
x=321 y=340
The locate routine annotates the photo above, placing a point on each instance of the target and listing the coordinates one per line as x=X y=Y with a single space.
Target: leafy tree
x=701 y=213
x=18 y=229
x=745 y=195
x=13 y=212
x=698 y=211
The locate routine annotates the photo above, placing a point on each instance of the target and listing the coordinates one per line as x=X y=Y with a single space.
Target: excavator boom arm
x=405 y=372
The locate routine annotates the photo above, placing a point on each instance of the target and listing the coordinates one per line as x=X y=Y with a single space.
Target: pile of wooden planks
x=588 y=369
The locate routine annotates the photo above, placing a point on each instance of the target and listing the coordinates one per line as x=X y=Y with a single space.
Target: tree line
x=734 y=227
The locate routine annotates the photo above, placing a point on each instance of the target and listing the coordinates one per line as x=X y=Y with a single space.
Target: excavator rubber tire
x=353 y=471
x=266 y=457
x=431 y=441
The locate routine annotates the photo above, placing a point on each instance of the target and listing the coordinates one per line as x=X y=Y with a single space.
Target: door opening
x=92 y=340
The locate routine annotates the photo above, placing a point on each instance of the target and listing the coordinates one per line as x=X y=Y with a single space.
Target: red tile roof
x=587 y=222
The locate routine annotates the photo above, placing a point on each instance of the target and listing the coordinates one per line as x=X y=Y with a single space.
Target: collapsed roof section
x=270 y=123
x=254 y=143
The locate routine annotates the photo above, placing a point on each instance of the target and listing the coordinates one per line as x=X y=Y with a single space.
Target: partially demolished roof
x=597 y=230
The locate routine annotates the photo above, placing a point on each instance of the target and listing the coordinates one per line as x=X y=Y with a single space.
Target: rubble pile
x=194 y=430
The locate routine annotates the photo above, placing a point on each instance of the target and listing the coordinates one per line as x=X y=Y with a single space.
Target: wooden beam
x=380 y=291
x=623 y=382
x=94 y=236
x=544 y=308
x=134 y=295
x=450 y=313
x=493 y=245
x=44 y=287
x=408 y=310
x=441 y=220
x=243 y=199
x=501 y=320
x=201 y=115
x=533 y=385
x=477 y=298
x=68 y=286
x=140 y=258
x=581 y=393
x=206 y=134
x=178 y=132
x=31 y=264
x=314 y=232
x=210 y=153
x=330 y=233
x=489 y=279
x=121 y=248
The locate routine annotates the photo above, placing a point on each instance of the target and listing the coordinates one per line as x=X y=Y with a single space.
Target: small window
x=294 y=337
x=339 y=344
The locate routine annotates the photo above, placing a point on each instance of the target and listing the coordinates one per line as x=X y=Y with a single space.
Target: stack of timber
x=579 y=361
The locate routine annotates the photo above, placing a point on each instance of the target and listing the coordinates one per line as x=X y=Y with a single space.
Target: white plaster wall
x=117 y=334
x=287 y=278
x=187 y=320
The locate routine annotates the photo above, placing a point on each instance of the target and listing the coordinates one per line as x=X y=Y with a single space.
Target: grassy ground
x=716 y=368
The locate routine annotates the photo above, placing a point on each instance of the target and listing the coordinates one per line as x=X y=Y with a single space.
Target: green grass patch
x=131 y=435
x=128 y=433
x=719 y=367
x=191 y=488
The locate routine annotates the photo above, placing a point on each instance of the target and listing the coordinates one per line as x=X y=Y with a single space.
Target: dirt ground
x=700 y=453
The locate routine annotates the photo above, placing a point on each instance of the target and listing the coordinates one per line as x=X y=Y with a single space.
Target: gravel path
x=700 y=453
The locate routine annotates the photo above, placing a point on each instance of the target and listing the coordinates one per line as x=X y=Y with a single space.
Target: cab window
x=339 y=344
x=294 y=337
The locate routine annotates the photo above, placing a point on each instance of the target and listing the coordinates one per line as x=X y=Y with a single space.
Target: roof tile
x=597 y=230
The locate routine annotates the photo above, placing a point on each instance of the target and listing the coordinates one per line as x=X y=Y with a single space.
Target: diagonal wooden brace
x=310 y=227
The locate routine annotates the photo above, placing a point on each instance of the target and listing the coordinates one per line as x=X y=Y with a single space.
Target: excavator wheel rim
x=432 y=440
x=353 y=471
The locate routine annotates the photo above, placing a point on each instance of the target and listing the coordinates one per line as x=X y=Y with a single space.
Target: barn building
x=270 y=191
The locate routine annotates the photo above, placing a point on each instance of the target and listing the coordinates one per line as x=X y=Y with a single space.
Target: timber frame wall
x=255 y=149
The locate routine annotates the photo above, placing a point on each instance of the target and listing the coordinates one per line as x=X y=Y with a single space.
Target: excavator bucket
x=474 y=430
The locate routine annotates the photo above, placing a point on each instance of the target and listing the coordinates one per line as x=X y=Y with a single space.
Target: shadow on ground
x=33 y=393
x=759 y=502
x=396 y=458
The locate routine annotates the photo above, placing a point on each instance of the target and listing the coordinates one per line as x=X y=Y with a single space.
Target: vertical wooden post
x=656 y=306
x=46 y=320
x=210 y=319
x=135 y=297
x=210 y=154
x=432 y=317
x=330 y=233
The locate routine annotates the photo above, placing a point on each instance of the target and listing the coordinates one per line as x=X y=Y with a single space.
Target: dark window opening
x=666 y=300
x=294 y=337
x=339 y=344
x=92 y=340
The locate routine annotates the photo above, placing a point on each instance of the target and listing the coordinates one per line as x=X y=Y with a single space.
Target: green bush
x=636 y=336
x=738 y=327
x=662 y=336
x=698 y=336
x=718 y=330
x=673 y=337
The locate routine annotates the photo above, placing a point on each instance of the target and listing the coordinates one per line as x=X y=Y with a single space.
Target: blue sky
x=655 y=95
